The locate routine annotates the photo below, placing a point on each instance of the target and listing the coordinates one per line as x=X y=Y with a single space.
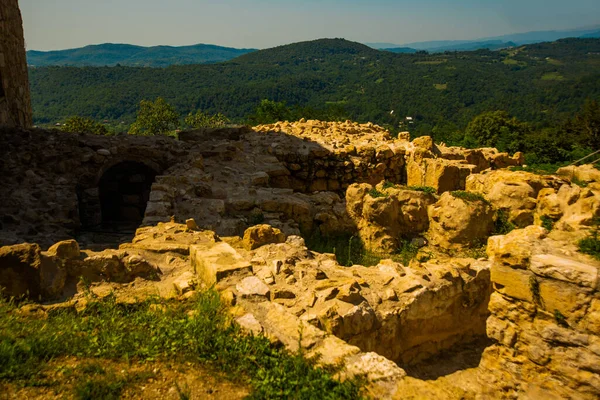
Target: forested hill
x=109 y=54
x=538 y=83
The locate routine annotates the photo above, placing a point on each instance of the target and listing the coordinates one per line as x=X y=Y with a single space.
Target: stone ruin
x=231 y=208
x=15 y=102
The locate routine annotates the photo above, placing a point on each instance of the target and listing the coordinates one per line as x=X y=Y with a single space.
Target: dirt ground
x=73 y=378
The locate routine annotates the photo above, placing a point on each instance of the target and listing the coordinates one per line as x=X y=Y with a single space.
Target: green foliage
x=204 y=120
x=590 y=245
x=84 y=125
x=155 y=118
x=425 y=189
x=198 y=331
x=104 y=387
x=498 y=129
x=469 y=196
x=547 y=222
x=502 y=225
x=534 y=287
x=578 y=182
x=560 y=319
x=388 y=185
x=376 y=193
x=350 y=250
x=269 y=111
x=316 y=75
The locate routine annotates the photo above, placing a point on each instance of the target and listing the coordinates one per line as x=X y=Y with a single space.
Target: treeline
x=541 y=84
x=545 y=148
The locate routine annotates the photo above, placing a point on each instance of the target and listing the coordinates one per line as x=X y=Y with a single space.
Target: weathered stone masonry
x=15 y=100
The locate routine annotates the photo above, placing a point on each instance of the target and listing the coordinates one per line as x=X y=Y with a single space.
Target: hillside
x=109 y=54
x=535 y=83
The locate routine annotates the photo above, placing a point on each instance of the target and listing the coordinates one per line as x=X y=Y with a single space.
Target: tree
x=498 y=129
x=84 y=125
x=155 y=118
x=586 y=124
x=205 y=120
x=269 y=111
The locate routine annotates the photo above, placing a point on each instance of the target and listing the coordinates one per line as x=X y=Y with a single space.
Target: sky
x=63 y=24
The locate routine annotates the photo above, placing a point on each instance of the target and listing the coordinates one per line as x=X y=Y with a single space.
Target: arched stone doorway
x=124 y=191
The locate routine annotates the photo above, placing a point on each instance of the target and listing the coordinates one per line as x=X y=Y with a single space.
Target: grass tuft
x=469 y=196
x=547 y=222
x=110 y=330
x=425 y=189
x=502 y=225
x=376 y=193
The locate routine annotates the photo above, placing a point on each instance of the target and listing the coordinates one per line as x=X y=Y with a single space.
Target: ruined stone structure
x=227 y=209
x=15 y=101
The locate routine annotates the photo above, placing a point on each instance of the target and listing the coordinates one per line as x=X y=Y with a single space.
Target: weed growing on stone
x=578 y=182
x=534 y=286
x=376 y=193
x=547 y=222
x=388 y=184
x=469 y=196
x=560 y=319
x=425 y=189
x=157 y=329
x=502 y=225
x=591 y=244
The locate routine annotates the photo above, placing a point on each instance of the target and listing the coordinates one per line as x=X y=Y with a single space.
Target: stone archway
x=124 y=191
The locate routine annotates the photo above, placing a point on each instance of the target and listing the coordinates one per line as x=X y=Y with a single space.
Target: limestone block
x=570 y=300
x=565 y=269
x=66 y=250
x=260 y=235
x=250 y=324
x=512 y=282
x=215 y=263
x=458 y=222
x=251 y=287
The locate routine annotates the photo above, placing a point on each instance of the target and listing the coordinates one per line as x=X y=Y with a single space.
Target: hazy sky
x=60 y=24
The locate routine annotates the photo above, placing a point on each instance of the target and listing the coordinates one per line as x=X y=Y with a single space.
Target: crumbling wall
x=545 y=319
x=15 y=101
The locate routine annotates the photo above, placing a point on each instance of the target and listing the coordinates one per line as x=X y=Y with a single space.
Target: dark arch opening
x=124 y=190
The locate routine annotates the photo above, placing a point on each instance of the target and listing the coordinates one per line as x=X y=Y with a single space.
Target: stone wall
x=15 y=102
x=50 y=180
x=545 y=319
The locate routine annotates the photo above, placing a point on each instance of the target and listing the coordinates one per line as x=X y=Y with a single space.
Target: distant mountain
x=545 y=36
x=319 y=49
x=497 y=42
x=381 y=46
x=110 y=54
x=595 y=35
x=402 y=50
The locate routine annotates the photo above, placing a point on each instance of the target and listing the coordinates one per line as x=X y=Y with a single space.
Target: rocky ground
x=495 y=300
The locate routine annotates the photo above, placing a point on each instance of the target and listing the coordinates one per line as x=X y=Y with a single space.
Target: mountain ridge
x=111 y=54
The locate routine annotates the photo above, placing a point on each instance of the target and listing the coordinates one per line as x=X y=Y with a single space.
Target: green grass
x=469 y=196
x=547 y=222
x=534 y=287
x=376 y=193
x=157 y=329
x=590 y=245
x=578 y=182
x=502 y=225
x=426 y=189
x=350 y=250
x=553 y=76
x=388 y=185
